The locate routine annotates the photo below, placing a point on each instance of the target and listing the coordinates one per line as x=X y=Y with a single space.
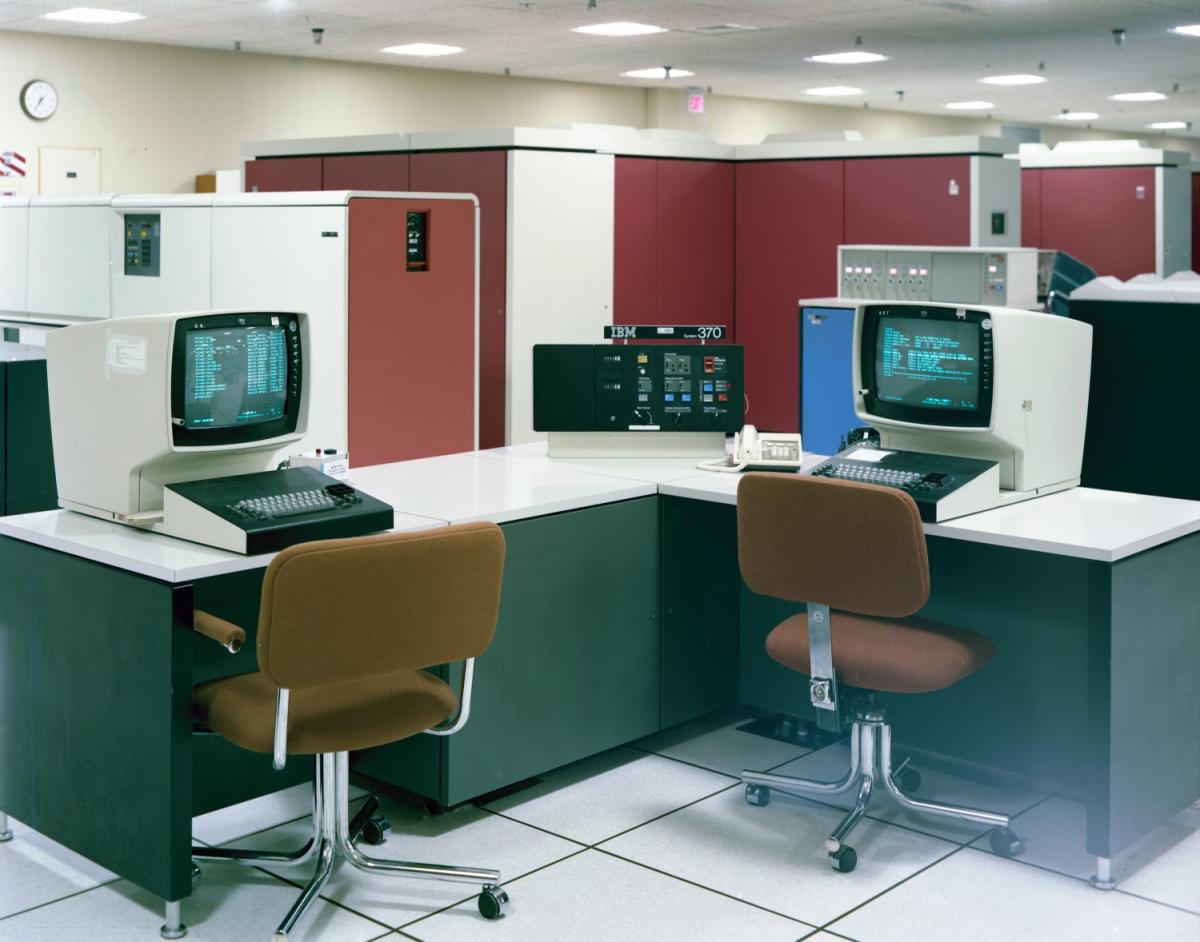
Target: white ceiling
x=938 y=49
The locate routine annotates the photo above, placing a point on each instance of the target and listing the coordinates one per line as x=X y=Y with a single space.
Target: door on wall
x=68 y=171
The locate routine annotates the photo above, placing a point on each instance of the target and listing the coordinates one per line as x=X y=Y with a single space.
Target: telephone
x=755 y=451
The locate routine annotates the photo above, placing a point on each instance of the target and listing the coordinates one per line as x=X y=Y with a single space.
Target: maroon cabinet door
x=1196 y=222
x=277 y=174
x=908 y=200
x=365 y=172
x=695 y=243
x=484 y=173
x=635 y=241
x=1104 y=216
x=789 y=225
x=1031 y=208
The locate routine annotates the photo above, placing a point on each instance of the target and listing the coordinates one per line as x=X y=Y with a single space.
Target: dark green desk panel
x=28 y=476
x=701 y=591
x=575 y=665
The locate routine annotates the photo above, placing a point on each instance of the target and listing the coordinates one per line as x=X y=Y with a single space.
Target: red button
x=722 y=397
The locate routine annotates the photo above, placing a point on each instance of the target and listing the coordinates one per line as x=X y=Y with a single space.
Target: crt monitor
x=1001 y=384
x=139 y=402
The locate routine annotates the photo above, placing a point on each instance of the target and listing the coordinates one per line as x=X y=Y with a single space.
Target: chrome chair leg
x=173 y=927
x=866 y=738
x=5 y=831
x=790 y=785
x=277 y=858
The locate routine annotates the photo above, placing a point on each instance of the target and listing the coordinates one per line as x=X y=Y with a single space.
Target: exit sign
x=695 y=103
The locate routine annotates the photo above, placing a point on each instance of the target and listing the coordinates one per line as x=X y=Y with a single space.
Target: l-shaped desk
x=622 y=613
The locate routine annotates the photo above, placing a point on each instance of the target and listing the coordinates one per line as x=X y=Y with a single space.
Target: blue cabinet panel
x=826 y=396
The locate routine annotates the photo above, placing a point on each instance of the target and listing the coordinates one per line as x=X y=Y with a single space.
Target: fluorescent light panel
x=1078 y=116
x=1169 y=125
x=620 y=28
x=657 y=73
x=93 y=16
x=847 y=58
x=1193 y=30
x=969 y=105
x=1138 y=96
x=833 y=91
x=1019 y=79
x=422 y=49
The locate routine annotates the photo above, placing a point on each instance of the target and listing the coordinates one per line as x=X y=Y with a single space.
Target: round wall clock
x=39 y=100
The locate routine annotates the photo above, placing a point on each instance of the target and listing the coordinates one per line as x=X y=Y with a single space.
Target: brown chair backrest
x=336 y=610
x=855 y=547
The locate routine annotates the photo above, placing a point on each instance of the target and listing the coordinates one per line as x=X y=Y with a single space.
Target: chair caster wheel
x=492 y=902
x=196 y=874
x=374 y=832
x=909 y=779
x=844 y=859
x=1005 y=842
x=758 y=795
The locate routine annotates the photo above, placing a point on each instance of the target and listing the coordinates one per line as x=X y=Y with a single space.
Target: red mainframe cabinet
x=635 y=241
x=279 y=174
x=908 y=201
x=1104 y=216
x=789 y=224
x=673 y=242
x=411 y=337
x=365 y=172
x=1031 y=209
x=484 y=173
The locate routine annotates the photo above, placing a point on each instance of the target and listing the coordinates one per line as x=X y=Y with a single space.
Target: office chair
x=345 y=630
x=858 y=549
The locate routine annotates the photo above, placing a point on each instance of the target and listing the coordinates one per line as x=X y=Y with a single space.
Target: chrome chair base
x=5 y=832
x=871 y=764
x=333 y=838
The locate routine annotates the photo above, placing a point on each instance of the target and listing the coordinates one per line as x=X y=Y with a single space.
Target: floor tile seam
x=694 y=765
x=912 y=876
x=60 y=899
x=327 y=899
x=665 y=814
x=504 y=883
x=562 y=837
x=701 y=886
x=1029 y=863
x=1151 y=899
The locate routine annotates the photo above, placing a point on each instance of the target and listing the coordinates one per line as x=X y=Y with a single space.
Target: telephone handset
x=759 y=451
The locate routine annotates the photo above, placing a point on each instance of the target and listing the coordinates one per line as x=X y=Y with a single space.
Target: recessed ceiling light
x=969 y=105
x=422 y=49
x=1019 y=79
x=91 y=15
x=658 y=73
x=1078 y=116
x=1138 y=96
x=1193 y=30
x=832 y=91
x=1169 y=125
x=621 y=28
x=847 y=58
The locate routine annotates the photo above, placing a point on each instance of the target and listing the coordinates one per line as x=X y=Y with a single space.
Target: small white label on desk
x=869 y=454
x=124 y=353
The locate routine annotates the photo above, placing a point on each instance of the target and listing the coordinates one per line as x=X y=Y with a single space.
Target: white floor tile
x=716 y=743
x=610 y=793
x=35 y=870
x=258 y=814
x=467 y=837
x=237 y=905
x=973 y=895
x=775 y=856
x=832 y=762
x=1162 y=866
x=593 y=897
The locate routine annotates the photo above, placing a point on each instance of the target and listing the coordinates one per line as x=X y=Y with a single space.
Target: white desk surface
x=149 y=554
x=520 y=482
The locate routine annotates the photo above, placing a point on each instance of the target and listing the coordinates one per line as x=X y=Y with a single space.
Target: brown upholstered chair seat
x=895 y=655
x=354 y=714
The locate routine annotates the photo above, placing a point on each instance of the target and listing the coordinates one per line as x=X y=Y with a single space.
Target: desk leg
x=173 y=927
x=1103 y=879
x=5 y=833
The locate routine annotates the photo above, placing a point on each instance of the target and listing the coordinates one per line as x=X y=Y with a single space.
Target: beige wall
x=162 y=114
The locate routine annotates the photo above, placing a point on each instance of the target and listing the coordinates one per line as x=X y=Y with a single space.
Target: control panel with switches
x=1004 y=277
x=667 y=388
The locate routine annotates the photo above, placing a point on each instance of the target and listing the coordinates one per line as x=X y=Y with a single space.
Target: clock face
x=39 y=99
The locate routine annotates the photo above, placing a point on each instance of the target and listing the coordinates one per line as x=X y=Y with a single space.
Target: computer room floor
x=655 y=842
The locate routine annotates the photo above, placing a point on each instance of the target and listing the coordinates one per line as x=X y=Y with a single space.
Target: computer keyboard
x=294 y=503
x=890 y=477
